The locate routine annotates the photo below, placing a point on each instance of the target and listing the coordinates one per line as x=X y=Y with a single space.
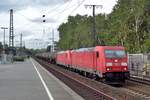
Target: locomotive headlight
x=125 y=69
x=108 y=69
x=124 y=64
x=108 y=64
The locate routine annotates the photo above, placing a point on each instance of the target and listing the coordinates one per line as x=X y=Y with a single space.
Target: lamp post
x=4 y=28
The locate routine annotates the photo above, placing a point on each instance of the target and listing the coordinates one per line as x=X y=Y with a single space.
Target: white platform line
x=64 y=86
x=44 y=84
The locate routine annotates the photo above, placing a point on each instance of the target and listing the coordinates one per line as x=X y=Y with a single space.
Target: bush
x=19 y=58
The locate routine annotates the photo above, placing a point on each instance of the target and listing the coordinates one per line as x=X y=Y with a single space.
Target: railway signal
x=43 y=17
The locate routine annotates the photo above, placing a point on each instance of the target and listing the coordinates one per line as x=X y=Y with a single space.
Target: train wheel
x=97 y=78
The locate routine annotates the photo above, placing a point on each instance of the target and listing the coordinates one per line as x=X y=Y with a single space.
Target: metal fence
x=139 y=65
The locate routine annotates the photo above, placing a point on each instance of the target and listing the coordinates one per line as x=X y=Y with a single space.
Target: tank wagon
x=48 y=57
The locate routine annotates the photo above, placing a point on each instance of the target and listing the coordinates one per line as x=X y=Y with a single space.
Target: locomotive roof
x=92 y=48
x=84 y=49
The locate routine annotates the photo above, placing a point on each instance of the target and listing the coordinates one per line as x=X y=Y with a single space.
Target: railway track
x=89 y=89
x=139 y=88
x=140 y=80
x=78 y=86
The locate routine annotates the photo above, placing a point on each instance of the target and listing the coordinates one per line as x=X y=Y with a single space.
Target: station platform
x=29 y=81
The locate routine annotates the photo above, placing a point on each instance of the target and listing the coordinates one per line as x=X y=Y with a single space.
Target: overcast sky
x=28 y=15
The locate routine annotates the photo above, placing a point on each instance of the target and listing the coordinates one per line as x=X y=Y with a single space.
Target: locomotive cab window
x=115 y=53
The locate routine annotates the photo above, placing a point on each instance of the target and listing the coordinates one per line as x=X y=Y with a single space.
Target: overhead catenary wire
x=67 y=7
x=54 y=9
x=57 y=7
x=77 y=6
x=73 y=9
x=28 y=24
x=29 y=21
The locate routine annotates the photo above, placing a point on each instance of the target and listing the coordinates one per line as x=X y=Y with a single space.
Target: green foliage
x=18 y=58
x=128 y=25
x=75 y=33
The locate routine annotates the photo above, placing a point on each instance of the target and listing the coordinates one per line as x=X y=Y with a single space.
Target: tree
x=127 y=25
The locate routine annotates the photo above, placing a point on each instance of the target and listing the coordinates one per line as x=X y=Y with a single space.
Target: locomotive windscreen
x=115 y=53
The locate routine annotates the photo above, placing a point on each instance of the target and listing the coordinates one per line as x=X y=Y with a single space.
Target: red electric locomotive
x=104 y=62
x=63 y=58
